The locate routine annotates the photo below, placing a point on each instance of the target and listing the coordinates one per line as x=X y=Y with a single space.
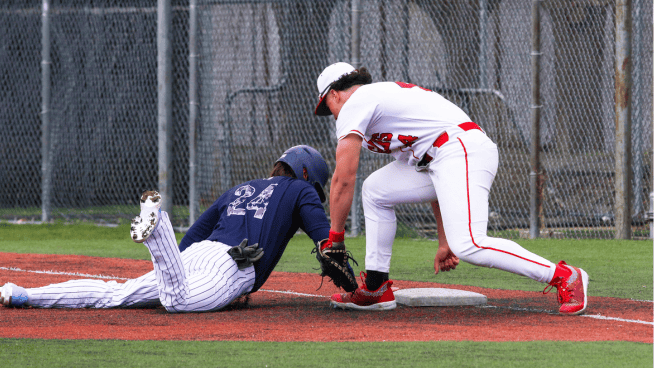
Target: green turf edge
x=119 y=353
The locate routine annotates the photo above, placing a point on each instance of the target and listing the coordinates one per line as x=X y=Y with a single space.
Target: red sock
x=561 y=271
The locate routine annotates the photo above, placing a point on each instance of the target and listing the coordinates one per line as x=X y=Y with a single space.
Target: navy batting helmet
x=305 y=157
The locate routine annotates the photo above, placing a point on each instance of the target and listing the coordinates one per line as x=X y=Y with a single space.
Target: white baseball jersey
x=398 y=118
x=404 y=120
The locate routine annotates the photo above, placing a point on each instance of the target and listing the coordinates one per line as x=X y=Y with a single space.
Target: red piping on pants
x=470 y=215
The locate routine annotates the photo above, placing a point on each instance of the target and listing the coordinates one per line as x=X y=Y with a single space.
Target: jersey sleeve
x=203 y=226
x=313 y=219
x=356 y=114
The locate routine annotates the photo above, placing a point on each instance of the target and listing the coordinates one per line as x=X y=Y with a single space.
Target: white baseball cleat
x=144 y=224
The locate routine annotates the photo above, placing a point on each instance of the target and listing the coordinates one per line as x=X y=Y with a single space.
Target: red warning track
x=290 y=309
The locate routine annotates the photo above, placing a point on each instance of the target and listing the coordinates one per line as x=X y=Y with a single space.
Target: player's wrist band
x=336 y=237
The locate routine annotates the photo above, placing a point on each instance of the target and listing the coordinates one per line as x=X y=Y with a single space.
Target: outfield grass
x=617 y=268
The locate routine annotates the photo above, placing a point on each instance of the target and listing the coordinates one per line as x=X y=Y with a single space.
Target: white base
x=438 y=297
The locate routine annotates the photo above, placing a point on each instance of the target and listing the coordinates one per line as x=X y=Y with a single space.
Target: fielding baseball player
x=442 y=157
x=228 y=252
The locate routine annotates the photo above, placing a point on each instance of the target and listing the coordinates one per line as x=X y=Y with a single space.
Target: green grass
x=617 y=268
x=112 y=353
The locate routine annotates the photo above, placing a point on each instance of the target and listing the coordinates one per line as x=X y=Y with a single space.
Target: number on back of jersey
x=257 y=204
x=260 y=203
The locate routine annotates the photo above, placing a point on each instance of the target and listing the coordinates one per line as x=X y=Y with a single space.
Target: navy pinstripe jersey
x=265 y=211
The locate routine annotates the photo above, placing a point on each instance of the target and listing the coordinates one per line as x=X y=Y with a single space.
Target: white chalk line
x=65 y=273
x=595 y=316
x=599 y=316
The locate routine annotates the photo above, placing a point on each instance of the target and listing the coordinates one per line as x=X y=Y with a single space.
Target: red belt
x=443 y=138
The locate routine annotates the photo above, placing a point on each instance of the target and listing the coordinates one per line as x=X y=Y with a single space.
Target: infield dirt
x=289 y=308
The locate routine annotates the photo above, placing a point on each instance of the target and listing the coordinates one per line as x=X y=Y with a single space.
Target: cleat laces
x=563 y=293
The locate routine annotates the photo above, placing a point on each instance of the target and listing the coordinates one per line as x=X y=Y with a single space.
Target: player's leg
x=462 y=174
x=393 y=184
x=204 y=278
x=90 y=293
x=99 y=294
x=385 y=188
x=213 y=278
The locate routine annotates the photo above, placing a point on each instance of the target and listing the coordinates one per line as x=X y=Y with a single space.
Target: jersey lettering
x=260 y=203
x=257 y=204
x=380 y=142
x=411 y=85
x=243 y=192
x=407 y=140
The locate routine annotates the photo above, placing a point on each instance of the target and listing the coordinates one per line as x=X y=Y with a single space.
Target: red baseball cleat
x=364 y=299
x=571 y=292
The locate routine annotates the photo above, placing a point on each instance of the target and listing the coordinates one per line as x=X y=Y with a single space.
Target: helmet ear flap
x=321 y=192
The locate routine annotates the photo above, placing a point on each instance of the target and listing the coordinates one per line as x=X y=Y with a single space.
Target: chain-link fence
x=257 y=63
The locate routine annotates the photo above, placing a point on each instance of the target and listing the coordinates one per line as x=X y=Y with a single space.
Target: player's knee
x=465 y=247
x=175 y=305
x=372 y=195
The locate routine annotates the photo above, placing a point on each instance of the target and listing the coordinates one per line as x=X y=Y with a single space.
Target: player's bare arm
x=343 y=180
x=445 y=260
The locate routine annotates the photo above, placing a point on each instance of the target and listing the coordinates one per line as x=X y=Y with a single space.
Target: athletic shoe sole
x=373 y=307
x=144 y=224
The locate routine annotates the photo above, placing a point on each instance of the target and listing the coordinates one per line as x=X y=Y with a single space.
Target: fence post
x=483 y=43
x=164 y=99
x=651 y=194
x=356 y=63
x=193 y=111
x=623 y=119
x=535 y=176
x=46 y=160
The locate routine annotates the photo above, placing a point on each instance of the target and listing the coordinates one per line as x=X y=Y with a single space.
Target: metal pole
x=405 y=33
x=651 y=194
x=46 y=159
x=193 y=197
x=356 y=32
x=164 y=88
x=638 y=127
x=356 y=63
x=483 y=43
x=536 y=174
x=623 y=119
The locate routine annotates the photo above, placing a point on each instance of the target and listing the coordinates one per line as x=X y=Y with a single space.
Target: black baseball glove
x=333 y=259
x=245 y=255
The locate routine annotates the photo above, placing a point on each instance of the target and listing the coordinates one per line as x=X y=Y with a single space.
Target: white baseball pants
x=203 y=278
x=460 y=178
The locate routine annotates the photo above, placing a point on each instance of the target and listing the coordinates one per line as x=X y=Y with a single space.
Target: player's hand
x=445 y=260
